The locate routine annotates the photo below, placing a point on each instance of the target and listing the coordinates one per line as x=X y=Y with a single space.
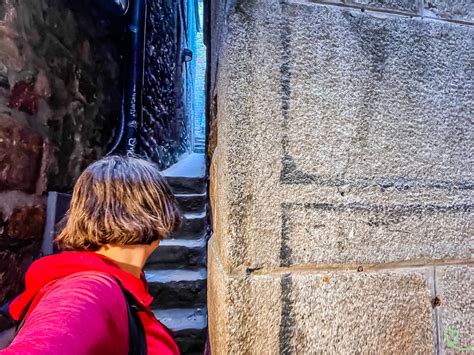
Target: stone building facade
x=341 y=176
x=167 y=128
x=59 y=102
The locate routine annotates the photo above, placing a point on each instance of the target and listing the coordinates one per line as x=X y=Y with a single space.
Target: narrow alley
x=319 y=154
x=177 y=271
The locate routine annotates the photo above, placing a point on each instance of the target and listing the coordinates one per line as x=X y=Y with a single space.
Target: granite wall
x=341 y=177
x=59 y=101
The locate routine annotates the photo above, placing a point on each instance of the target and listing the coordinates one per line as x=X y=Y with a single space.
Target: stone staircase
x=177 y=271
x=199 y=144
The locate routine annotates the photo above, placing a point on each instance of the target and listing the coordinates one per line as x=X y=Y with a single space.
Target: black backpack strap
x=6 y=316
x=6 y=319
x=136 y=331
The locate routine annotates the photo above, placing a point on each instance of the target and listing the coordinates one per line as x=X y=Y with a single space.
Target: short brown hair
x=119 y=200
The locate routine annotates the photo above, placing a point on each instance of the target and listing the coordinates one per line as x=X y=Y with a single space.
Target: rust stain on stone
x=436 y=302
x=326 y=279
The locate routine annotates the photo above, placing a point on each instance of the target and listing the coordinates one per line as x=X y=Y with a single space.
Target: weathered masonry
x=341 y=176
x=59 y=103
x=63 y=69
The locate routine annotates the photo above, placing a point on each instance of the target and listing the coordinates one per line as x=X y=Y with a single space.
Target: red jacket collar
x=54 y=267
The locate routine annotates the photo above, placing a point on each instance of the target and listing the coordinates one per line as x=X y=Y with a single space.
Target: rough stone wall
x=59 y=100
x=166 y=129
x=216 y=32
x=341 y=181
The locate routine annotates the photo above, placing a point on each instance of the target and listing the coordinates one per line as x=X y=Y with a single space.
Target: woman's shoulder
x=97 y=282
x=96 y=292
x=82 y=310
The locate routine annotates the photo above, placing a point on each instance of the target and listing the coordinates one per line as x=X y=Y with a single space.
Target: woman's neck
x=130 y=258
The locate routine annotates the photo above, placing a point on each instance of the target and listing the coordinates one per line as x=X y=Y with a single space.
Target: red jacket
x=73 y=305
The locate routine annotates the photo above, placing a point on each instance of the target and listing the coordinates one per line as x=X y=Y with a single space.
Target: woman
x=74 y=301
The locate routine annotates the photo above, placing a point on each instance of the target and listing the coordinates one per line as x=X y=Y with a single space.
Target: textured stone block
x=325 y=105
x=26 y=222
x=386 y=312
x=410 y=6
x=380 y=107
x=10 y=55
x=461 y=10
x=454 y=288
x=353 y=233
x=13 y=266
x=244 y=314
x=24 y=98
x=217 y=303
x=20 y=156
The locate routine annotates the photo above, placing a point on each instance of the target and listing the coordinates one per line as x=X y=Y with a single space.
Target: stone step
x=176 y=272
x=176 y=288
x=184 y=184
x=189 y=326
x=193 y=226
x=179 y=254
x=191 y=202
x=181 y=319
x=188 y=175
x=191 y=342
